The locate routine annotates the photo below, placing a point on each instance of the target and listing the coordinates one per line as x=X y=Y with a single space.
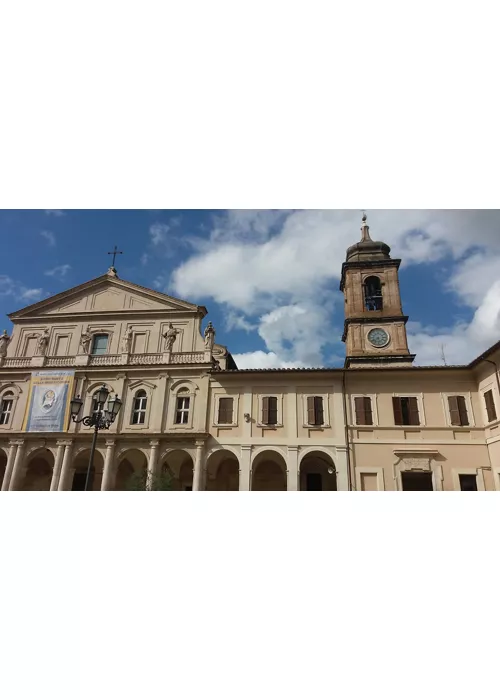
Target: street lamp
x=101 y=418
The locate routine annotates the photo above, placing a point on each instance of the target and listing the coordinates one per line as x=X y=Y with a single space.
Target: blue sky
x=270 y=278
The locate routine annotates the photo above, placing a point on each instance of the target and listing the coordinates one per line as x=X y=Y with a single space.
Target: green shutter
x=490 y=406
x=413 y=407
x=367 y=403
x=462 y=409
x=310 y=411
x=359 y=407
x=265 y=410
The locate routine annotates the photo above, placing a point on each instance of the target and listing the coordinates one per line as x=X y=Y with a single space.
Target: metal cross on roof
x=114 y=253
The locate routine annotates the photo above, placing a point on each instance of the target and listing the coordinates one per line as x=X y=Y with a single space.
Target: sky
x=270 y=278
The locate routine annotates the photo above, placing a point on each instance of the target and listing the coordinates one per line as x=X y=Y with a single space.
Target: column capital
x=199 y=444
x=110 y=442
x=64 y=443
x=17 y=441
x=246 y=447
x=154 y=443
x=293 y=448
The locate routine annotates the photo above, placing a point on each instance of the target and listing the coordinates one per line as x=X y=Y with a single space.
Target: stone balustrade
x=141 y=359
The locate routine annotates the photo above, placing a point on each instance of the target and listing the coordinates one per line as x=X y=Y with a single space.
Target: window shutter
x=359 y=406
x=454 y=410
x=462 y=409
x=265 y=410
x=490 y=406
x=272 y=405
x=310 y=411
x=318 y=410
x=413 y=407
x=368 y=410
x=398 y=413
x=226 y=410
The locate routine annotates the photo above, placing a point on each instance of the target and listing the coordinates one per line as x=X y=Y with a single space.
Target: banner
x=49 y=401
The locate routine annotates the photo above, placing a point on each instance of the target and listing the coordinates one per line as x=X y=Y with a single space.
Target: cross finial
x=365 y=229
x=114 y=253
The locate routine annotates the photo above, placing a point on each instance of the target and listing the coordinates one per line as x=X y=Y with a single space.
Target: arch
x=132 y=470
x=92 y=388
x=372 y=288
x=317 y=471
x=39 y=468
x=223 y=470
x=139 y=407
x=80 y=465
x=184 y=384
x=269 y=472
x=178 y=464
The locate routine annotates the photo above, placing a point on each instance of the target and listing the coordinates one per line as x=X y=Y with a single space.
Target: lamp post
x=101 y=418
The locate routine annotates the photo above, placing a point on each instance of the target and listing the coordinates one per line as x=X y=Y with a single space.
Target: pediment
x=105 y=294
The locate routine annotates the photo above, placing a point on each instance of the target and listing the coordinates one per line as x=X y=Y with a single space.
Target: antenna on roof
x=443 y=356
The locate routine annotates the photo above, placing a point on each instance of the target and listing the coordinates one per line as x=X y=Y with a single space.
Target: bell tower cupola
x=374 y=326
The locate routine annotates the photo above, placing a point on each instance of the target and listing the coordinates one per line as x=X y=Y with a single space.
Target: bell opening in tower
x=373 y=294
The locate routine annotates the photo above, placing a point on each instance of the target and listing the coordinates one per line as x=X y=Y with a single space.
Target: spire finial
x=365 y=229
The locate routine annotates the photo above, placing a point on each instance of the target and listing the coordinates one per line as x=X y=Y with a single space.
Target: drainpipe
x=350 y=480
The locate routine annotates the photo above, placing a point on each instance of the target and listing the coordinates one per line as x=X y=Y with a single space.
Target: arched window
x=139 y=408
x=99 y=344
x=6 y=407
x=373 y=294
x=182 y=406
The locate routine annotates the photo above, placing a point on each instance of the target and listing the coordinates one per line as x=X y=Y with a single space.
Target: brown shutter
x=265 y=410
x=454 y=410
x=462 y=408
x=359 y=406
x=398 y=413
x=318 y=410
x=413 y=408
x=311 y=414
x=272 y=407
x=226 y=410
x=368 y=410
x=490 y=406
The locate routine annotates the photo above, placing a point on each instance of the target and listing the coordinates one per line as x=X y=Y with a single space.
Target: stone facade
x=191 y=416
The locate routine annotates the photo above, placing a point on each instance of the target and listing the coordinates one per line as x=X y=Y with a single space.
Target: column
x=198 y=467
x=341 y=468
x=152 y=463
x=66 y=470
x=108 y=471
x=292 y=476
x=245 y=470
x=18 y=465
x=57 y=466
x=10 y=465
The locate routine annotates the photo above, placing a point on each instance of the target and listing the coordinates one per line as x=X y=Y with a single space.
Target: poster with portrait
x=49 y=401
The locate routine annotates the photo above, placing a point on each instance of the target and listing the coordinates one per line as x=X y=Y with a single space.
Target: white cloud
x=31 y=295
x=49 y=237
x=239 y=322
x=59 y=272
x=261 y=360
x=55 y=212
x=158 y=233
x=270 y=264
x=144 y=259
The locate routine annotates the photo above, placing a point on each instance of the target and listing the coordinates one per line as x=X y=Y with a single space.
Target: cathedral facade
x=191 y=420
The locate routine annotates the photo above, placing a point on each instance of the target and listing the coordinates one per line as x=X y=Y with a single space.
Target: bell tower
x=374 y=326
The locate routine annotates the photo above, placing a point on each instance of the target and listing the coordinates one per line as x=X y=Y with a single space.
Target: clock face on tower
x=378 y=337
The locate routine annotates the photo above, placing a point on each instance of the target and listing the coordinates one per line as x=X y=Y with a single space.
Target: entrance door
x=417 y=481
x=314 y=482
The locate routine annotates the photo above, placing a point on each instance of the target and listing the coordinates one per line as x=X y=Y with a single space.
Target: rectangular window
x=315 y=413
x=225 y=416
x=468 y=482
x=5 y=411
x=270 y=410
x=99 y=344
x=417 y=481
x=490 y=406
x=61 y=349
x=405 y=410
x=458 y=410
x=363 y=408
x=182 y=410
